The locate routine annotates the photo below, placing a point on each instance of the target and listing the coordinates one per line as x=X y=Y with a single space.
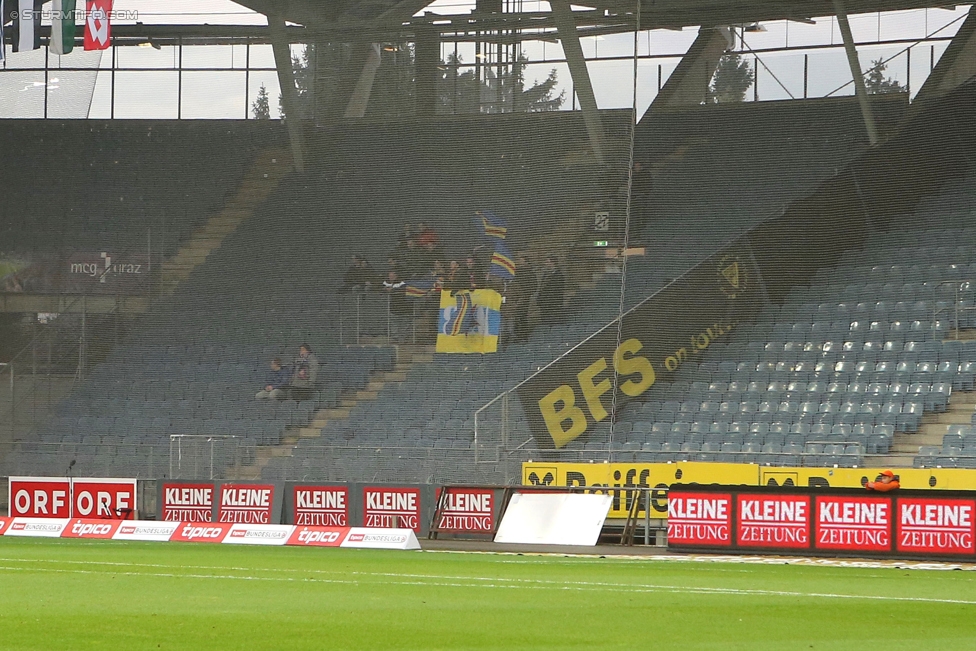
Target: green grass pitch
x=62 y=594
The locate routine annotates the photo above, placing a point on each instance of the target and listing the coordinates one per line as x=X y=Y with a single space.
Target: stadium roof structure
x=396 y=14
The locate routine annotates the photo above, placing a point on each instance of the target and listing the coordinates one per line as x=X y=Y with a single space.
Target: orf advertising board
x=773 y=521
x=700 y=519
x=187 y=502
x=247 y=504
x=466 y=510
x=320 y=506
x=853 y=523
x=57 y=497
x=935 y=525
x=391 y=507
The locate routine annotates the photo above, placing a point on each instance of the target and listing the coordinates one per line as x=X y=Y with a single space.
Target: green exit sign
x=603 y=243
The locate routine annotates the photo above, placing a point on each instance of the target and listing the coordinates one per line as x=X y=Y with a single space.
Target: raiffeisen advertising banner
x=700 y=519
x=773 y=521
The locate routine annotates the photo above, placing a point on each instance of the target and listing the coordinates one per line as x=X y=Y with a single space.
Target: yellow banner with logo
x=617 y=476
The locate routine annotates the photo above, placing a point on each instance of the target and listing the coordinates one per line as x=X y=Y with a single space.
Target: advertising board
x=320 y=506
x=246 y=503
x=933 y=525
x=204 y=532
x=59 y=497
x=391 y=507
x=700 y=519
x=852 y=523
x=466 y=510
x=845 y=522
x=258 y=534
x=187 y=502
x=37 y=527
x=773 y=521
x=147 y=531
x=80 y=528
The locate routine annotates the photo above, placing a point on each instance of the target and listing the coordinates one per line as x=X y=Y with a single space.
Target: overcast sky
x=207 y=94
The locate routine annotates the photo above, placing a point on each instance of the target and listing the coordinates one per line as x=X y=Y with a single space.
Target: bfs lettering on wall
x=565 y=400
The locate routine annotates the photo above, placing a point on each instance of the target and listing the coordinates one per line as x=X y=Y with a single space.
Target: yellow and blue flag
x=469 y=321
x=418 y=287
x=502 y=263
x=493 y=225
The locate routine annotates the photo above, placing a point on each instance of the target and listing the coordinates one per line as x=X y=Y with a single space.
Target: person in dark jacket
x=275 y=382
x=525 y=287
x=359 y=277
x=552 y=292
x=306 y=372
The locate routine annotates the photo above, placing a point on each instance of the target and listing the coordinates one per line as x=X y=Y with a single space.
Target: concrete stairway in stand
x=260 y=180
x=905 y=446
x=407 y=357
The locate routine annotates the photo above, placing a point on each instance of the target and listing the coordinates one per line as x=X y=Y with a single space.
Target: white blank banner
x=554 y=519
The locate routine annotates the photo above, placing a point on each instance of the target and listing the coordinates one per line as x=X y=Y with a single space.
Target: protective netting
x=505 y=243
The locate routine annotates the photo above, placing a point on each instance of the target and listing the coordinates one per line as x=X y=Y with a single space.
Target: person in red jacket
x=886 y=482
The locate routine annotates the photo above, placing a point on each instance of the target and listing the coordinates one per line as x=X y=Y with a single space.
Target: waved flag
x=469 y=321
x=493 y=225
x=502 y=263
x=98 y=29
x=25 y=25
x=418 y=288
x=62 y=26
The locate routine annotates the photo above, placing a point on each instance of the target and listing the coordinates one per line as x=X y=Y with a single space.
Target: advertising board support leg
x=646 y=495
x=359 y=300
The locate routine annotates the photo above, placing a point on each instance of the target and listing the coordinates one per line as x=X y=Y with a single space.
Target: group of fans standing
x=419 y=267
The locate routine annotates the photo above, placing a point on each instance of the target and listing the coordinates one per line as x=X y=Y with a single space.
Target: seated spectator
x=552 y=291
x=13 y=285
x=886 y=481
x=359 y=276
x=306 y=372
x=276 y=382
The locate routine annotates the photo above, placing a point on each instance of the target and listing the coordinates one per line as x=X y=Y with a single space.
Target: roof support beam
x=566 y=26
x=289 y=94
x=427 y=53
x=957 y=65
x=359 y=100
x=688 y=84
x=859 y=88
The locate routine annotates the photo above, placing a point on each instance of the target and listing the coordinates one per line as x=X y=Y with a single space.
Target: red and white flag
x=98 y=31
